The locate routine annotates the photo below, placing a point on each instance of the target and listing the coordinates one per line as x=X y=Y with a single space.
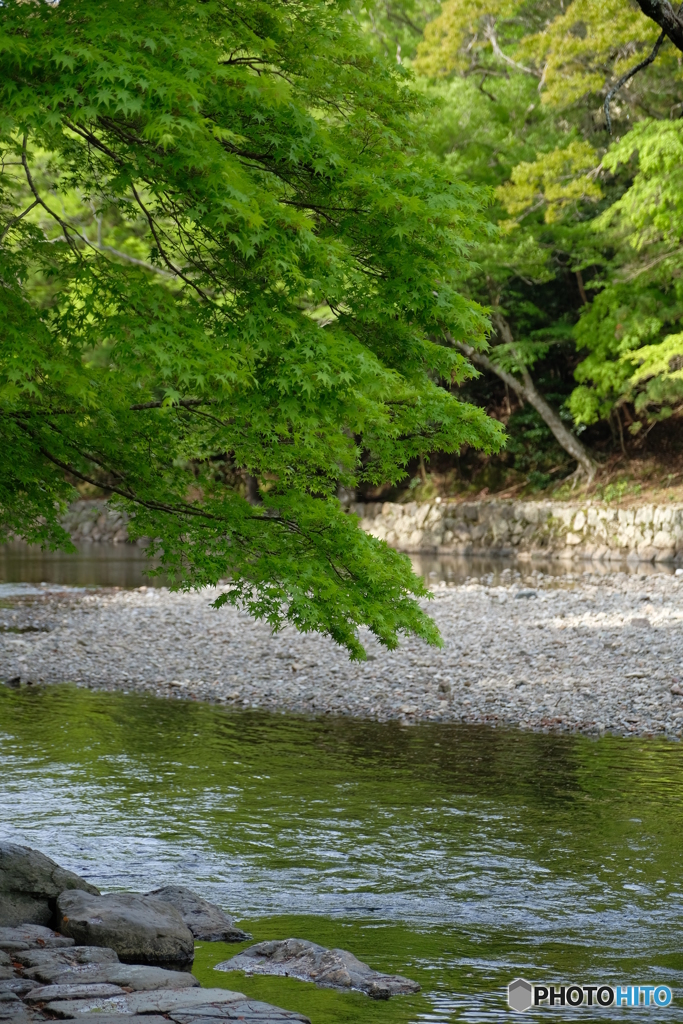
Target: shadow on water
x=92 y=565
x=460 y=856
x=125 y=565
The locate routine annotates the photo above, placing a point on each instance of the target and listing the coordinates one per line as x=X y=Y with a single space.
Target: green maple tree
x=224 y=244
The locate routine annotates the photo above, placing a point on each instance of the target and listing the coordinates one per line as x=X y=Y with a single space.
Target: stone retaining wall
x=93 y=520
x=567 y=530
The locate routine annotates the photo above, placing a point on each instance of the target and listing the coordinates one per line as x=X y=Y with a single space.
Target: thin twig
x=15 y=220
x=171 y=266
x=159 y=405
x=652 y=263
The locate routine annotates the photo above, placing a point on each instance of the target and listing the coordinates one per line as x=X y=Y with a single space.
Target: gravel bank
x=585 y=653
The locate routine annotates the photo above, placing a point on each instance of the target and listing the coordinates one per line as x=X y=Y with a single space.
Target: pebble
x=583 y=653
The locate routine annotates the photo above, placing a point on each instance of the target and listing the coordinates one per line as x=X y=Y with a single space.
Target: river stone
x=6 y=973
x=135 y=977
x=32 y=936
x=29 y=885
x=139 y=928
x=16 y=1012
x=146 y=1002
x=19 y=986
x=205 y=920
x=251 y=1011
x=5 y=959
x=77 y=957
x=328 y=968
x=115 y=1018
x=47 y=993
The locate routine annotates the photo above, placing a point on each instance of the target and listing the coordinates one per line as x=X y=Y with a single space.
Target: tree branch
x=169 y=263
x=490 y=34
x=629 y=74
x=19 y=216
x=526 y=390
x=159 y=405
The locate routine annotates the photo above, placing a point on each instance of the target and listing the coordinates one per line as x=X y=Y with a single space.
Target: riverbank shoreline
x=580 y=531
x=580 y=653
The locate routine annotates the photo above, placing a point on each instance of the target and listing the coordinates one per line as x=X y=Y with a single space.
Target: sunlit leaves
x=208 y=176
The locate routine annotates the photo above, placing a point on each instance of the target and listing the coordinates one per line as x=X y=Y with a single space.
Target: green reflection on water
x=458 y=856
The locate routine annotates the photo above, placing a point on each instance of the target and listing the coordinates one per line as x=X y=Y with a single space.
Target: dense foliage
x=227 y=250
x=586 y=268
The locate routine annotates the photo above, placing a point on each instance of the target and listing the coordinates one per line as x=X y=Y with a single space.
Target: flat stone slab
x=18 y=986
x=28 y=881
x=47 y=993
x=115 y=1018
x=162 y=1001
x=139 y=928
x=137 y=977
x=76 y=956
x=249 y=1011
x=328 y=968
x=18 y=1013
x=205 y=920
x=32 y=936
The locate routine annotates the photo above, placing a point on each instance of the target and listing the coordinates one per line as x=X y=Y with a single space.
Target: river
x=459 y=856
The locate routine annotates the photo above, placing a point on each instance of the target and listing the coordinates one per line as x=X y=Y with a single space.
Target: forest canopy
x=572 y=112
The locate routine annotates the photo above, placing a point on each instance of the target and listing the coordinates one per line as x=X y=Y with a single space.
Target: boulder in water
x=328 y=968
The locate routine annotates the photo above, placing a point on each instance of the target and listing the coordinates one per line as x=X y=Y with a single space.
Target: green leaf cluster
x=225 y=244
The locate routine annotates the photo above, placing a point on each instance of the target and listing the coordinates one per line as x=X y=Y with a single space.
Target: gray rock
x=29 y=885
x=66 y=959
x=19 y=986
x=5 y=959
x=48 y=993
x=139 y=928
x=328 y=968
x=146 y=1002
x=250 y=1011
x=134 y=977
x=32 y=936
x=115 y=1018
x=6 y=973
x=16 y=1012
x=205 y=920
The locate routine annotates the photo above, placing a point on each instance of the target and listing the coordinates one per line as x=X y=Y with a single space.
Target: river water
x=459 y=856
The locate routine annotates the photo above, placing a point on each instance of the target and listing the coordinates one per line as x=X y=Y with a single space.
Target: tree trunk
x=253 y=496
x=526 y=389
x=668 y=19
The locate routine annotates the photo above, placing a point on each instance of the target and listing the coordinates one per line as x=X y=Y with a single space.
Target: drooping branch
x=526 y=390
x=669 y=20
x=629 y=74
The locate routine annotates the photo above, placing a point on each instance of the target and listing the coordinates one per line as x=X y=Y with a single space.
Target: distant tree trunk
x=526 y=390
x=253 y=496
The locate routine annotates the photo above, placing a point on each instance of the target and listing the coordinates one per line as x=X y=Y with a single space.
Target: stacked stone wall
x=94 y=522
x=568 y=530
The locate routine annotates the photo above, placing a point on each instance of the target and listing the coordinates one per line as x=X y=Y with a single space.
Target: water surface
x=459 y=856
